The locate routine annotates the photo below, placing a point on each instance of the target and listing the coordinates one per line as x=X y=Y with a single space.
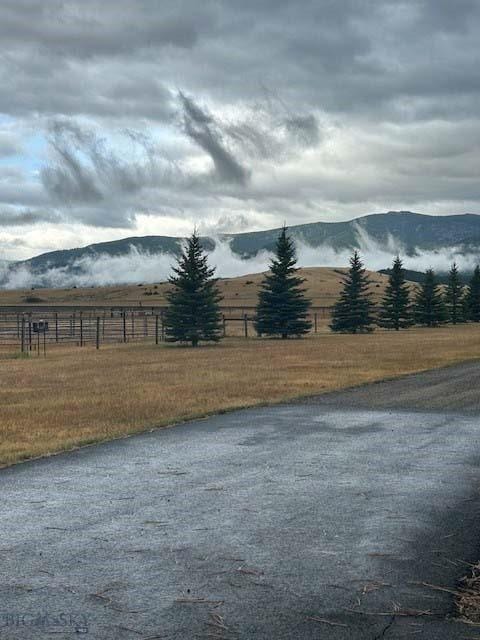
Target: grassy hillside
x=322 y=283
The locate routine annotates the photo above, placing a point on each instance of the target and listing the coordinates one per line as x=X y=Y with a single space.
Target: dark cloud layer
x=200 y=127
x=10 y=217
x=129 y=57
x=10 y=144
x=90 y=28
x=97 y=184
x=236 y=113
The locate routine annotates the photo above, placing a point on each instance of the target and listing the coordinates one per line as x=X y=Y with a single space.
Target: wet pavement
x=316 y=519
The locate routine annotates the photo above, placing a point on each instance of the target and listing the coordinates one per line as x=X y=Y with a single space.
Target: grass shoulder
x=80 y=396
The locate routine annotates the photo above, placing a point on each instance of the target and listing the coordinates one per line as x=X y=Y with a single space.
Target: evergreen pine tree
x=193 y=313
x=473 y=296
x=282 y=307
x=353 y=311
x=454 y=295
x=464 y=306
x=429 y=305
x=395 y=312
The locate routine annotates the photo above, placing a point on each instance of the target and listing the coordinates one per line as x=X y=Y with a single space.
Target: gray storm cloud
x=251 y=111
x=105 y=181
x=94 y=29
x=201 y=128
x=10 y=144
x=304 y=128
x=256 y=143
x=92 y=177
x=11 y=217
x=84 y=169
x=234 y=143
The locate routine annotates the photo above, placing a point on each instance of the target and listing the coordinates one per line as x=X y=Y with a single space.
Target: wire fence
x=37 y=329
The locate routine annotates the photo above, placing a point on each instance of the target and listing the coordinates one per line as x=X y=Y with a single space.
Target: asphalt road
x=307 y=520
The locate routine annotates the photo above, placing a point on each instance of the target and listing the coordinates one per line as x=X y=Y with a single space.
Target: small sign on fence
x=40 y=326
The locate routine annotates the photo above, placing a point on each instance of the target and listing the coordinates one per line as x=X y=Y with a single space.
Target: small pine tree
x=282 y=307
x=473 y=296
x=395 y=312
x=193 y=313
x=429 y=305
x=353 y=311
x=454 y=295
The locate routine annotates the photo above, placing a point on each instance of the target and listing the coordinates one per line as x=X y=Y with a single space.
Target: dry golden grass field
x=77 y=396
x=322 y=284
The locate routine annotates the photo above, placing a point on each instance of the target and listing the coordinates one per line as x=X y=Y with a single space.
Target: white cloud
x=140 y=267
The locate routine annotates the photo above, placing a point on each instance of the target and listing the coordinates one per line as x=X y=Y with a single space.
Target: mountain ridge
x=404 y=231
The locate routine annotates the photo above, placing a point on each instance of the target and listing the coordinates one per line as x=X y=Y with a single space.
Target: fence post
x=315 y=320
x=224 y=326
x=156 y=328
x=133 y=324
x=163 y=328
x=124 y=326
x=98 y=333
x=56 y=327
x=23 y=334
x=30 y=333
x=81 y=329
x=245 y=325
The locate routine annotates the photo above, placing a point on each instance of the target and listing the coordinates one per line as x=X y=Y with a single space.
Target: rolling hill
x=322 y=284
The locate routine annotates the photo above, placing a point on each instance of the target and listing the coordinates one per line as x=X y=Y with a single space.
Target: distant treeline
x=419 y=276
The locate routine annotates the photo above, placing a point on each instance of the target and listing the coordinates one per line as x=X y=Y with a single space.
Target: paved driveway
x=306 y=520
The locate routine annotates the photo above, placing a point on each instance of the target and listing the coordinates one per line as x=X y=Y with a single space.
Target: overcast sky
x=140 y=117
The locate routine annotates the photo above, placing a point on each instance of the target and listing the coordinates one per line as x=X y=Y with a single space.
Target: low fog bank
x=135 y=266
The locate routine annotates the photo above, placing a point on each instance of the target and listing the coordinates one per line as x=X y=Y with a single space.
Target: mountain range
x=402 y=231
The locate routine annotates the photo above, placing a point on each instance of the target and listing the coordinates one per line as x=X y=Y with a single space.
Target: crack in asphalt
x=385 y=629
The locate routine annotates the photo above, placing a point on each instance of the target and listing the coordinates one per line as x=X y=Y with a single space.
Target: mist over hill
x=424 y=241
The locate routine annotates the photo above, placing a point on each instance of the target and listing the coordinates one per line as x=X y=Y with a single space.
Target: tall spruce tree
x=454 y=295
x=429 y=305
x=473 y=296
x=193 y=314
x=353 y=312
x=282 y=307
x=395 y=310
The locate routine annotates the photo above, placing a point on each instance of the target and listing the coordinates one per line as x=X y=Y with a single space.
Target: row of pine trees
x=430 y=306
x=193 y=314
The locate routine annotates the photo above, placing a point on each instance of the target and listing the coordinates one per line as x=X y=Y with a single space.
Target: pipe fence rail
x=38 y=329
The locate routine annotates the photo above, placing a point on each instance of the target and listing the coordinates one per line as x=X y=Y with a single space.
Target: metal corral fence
x=35 y=329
